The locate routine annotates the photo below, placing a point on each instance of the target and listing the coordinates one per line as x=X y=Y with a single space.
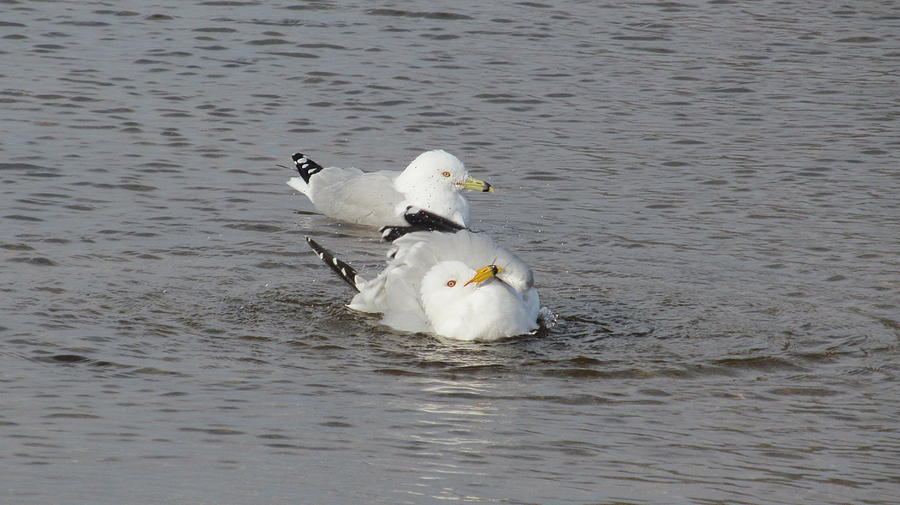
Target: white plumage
x=432 y=181
x=457 y=285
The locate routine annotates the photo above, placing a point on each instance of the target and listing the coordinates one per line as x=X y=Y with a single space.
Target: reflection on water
x=707 y=195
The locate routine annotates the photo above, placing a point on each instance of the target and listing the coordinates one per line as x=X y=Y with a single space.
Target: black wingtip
x=420 y=220
x=344 y=270
x=392 y=233
x=305 y=166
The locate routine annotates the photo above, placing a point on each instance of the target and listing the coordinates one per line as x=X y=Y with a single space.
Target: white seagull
x=432 y=181
x=458 y=285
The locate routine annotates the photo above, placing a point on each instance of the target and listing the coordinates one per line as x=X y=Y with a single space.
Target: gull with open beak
x=433 y=181
x=459 y=285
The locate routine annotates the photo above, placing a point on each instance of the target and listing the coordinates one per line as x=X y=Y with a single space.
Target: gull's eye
x=450 y=284
x=445 y=173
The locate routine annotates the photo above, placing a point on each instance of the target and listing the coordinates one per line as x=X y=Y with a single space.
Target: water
x=707 y=191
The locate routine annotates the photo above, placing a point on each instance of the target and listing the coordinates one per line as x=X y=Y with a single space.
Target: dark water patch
x=257 y=338
x=159 y=166
x=583 y=361
x=116 y=110
x=64 y=358
x=70 y=415
x=730 y=90
x=117 y=13
x=319 y=46
x=89 y=24
x=34 y=260
x=507 y=98
x=154 y=371
x=47 y=289
x=27 y=167
x=435 y=114
x=274 y=265
x=139 y=188
x=414 y=14
x=19 y=217
x=267 y=42
x=336 y=424
x=310 y=6
x=16 y=247
x=444 y=36
x=647 y=38
x=811 y=391
x=86 y=81
x=287 y=54
x=98 y=127
x=489 y=369
x=657 y=50
x=859 y=40
x=577 y=399
x=214 y=431
x=399 y=372
x=655 y=392
x=760 y=363
x=260 y=227
x=228 y=3
x=168 y=54
x=633 y=373
x=216 y=29
x=77 y=359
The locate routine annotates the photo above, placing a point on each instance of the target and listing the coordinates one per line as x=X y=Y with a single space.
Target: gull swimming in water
x=432 y=181
x=460 y=285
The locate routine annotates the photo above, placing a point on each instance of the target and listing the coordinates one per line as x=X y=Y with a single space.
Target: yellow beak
x=484 y=274
x=476 y=185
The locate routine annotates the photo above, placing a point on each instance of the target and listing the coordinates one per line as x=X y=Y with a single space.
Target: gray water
x=709 y=193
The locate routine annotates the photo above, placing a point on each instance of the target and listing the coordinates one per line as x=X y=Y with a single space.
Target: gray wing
x=474 y=249
x=396 y=291
x=353 y=196
x=395 y=294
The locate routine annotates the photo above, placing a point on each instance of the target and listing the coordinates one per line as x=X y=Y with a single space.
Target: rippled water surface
x=707 y=191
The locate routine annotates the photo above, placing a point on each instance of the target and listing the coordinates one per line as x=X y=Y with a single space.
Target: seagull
x=459 y=285
x=432 y=181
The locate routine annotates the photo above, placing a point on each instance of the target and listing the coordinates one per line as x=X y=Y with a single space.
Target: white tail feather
x=299 y=184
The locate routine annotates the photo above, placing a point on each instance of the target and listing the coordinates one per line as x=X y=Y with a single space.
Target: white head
x=444 y=286
x=439 y=169
x=464 y=304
